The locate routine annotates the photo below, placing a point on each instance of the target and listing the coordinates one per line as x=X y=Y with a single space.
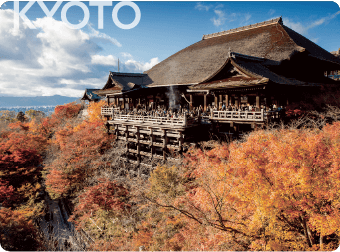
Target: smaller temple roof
x=122 y=82
x=243 y=70
x=90 y=95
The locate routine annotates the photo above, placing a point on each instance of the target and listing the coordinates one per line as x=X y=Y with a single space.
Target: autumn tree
x=77 y=149
x=275 y=191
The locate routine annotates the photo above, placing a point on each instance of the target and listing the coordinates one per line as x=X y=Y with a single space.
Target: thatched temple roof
x=271 y=40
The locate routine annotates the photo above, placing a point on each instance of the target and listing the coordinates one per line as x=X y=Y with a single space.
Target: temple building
x=259 y=67
x=260 y=64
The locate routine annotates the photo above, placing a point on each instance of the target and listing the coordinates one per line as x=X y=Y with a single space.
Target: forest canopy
x=276 y=189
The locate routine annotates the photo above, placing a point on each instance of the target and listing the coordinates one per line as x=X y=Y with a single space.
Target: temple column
x=226 y=100
x=191 y=102
x=123 y=101
x=135 y=102
x=146 y=102
x=216 y=102
x=155 y=101
x=258 y=101
x=205 y=102
x=237 y=101
x=220 y=102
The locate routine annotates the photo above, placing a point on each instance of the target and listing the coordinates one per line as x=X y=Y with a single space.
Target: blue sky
x=54 y=59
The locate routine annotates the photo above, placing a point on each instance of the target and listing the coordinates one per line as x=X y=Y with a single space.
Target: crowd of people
x=160 y=111
x=179 y=111
x=248 y=107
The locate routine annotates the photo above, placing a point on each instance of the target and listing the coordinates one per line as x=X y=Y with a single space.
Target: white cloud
x=315 y=40
x=199 y=6
x=54 y=59
x=136 y=66
x=298 y=27
x=126 y=55
x=323 y=20
x=303 y=29
x=247 y=16
x=109 y=60
x=102 y=36
x=220 y=19
x=271 y=12
x=219 y=6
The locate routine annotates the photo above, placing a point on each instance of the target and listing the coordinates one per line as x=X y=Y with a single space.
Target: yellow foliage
x=94 y=110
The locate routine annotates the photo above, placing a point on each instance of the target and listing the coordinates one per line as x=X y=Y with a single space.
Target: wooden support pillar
x=127 y=142
x=220 y=102
x=191 y=102
x=205 y=102
x=258 y=101
x=123 y=101
x=152 y=140
x=180 y=142
x=226 y=100
x=165 y=142
x=138 y=145
x=139 y=101
x=116 y=130
x=216 y=102
x=108 y=100
x=236 y=128
x=108 y=128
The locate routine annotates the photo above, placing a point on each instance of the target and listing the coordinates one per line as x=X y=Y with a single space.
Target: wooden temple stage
x=162 y=138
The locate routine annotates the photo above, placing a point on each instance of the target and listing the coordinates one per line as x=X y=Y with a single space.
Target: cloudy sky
x=55 y=59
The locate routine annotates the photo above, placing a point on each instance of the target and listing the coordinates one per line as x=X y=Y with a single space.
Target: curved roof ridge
x=243 y=28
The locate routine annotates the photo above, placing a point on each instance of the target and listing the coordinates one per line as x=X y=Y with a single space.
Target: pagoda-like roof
x=270 y=41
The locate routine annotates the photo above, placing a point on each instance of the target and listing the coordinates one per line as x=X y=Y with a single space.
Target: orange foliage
x=80 y=147
x=67 y=111
x=107 y=196
x=18 y=232
x=278 y=190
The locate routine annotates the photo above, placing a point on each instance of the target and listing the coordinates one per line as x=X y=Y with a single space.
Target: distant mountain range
x=7 y=101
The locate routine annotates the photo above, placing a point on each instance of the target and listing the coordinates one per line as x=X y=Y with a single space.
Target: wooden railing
x=108 y=111
x=154 y=120
x=258 y=116
x=251 y=116
x=238 y=115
